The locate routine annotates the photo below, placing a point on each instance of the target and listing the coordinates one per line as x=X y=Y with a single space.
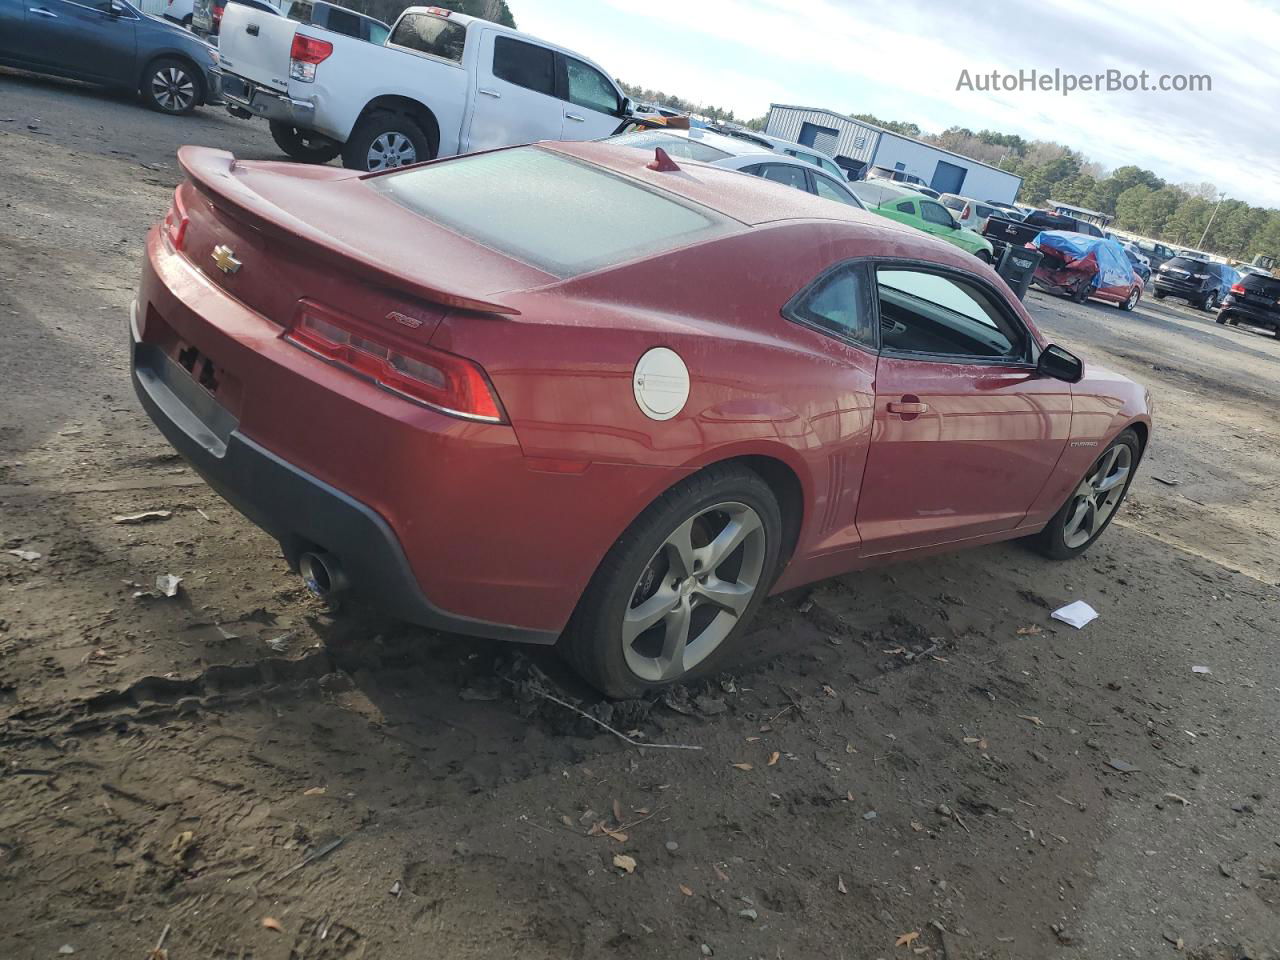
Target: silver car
x=736 y=153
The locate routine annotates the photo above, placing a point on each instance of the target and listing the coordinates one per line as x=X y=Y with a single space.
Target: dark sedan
x=111 y=42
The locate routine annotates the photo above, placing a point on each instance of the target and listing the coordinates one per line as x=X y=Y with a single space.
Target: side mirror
x=626 y=108
x=1059 y=364
x=117 y=9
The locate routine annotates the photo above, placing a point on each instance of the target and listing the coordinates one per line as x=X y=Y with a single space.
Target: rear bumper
x=298 y=509
x=1250 y=313
x=268 y=104
x=1184 y=289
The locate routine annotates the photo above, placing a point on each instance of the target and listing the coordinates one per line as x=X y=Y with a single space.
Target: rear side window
x=589 y=88
x=838 y=304
x=431 y=35
x=906 y=206
x=378 y=33
x=685 y=148
x=343 y=21
x=952 y=203
x=300 y=10
x=525 y=64
x=560 y=215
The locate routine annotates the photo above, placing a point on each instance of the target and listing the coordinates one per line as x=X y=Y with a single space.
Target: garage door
x=948 y=178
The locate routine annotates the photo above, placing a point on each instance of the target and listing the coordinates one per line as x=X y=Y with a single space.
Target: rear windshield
x=1050 y=221
x=1257 y=283
x=684 y=148
x=430 y=34
x=951 y=203
x=559 y=215
x=1192 y=266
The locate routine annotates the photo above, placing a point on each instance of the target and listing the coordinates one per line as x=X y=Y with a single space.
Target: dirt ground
x=915 y=761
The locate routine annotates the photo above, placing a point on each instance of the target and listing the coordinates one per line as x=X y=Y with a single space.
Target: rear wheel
x=1209 y=301
x=384 y=141
x=1080 y=292
x=1091 y=507
x=1160 y=294
x=984 y=257
x=171 y=86
x=679 y=586
x=305 y=146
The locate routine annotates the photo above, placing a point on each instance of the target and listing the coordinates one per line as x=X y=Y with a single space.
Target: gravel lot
x=932 y=759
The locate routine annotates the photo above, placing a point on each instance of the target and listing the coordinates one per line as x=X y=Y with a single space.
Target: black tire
x=1209 y=302
x=391 y=126
x=594 y=641
x=186 y=21
x=1160 y=294
x=1080 y=293
x=1224 y=317
x=984 y=257
x=1051 y=541
x=171 y=86
x=303 y=145
x=1135 y=295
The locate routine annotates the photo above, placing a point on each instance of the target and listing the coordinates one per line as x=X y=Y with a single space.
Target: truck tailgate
x=255 y=45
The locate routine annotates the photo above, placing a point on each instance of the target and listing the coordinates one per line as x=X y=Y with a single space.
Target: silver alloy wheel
x=391 y=149
x=1097 y=497
x=1133 y=299
x=693 y=591
x=173 y=88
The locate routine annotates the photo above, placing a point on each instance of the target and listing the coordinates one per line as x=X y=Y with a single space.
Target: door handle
x=908 y=407
x=490 y=93
x=43 y=12
x=574 y=117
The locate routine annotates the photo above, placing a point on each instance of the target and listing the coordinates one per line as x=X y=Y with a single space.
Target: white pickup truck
x=444 y=83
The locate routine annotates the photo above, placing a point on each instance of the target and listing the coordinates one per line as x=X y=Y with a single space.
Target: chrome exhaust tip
x=323 y=575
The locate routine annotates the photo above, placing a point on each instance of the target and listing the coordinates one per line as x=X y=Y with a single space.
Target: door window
x=786 y=174
x=837 y=304
x=936 y=213
x=524 y=64
x=430 y=34
x=377 y=33
x=829 y=189
x=945 y=316
x=589 y=88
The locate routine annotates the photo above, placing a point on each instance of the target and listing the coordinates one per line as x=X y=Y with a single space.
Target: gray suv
x=112 y=43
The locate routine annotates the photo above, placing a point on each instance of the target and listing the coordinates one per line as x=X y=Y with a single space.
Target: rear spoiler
x=214 y=173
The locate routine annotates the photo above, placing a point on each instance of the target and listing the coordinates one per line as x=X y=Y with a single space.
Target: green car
x=916 y=210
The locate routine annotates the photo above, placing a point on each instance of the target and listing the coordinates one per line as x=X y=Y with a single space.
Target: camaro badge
x=224 y=259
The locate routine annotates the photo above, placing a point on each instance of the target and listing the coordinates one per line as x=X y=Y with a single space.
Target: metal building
x=858 y=147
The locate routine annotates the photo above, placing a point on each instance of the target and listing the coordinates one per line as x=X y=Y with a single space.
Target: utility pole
x=1221 y=197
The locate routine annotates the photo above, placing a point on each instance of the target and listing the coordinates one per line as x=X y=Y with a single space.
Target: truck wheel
x=303 y=145
x=171 y=86
x=385 y=141
x=1080 y=293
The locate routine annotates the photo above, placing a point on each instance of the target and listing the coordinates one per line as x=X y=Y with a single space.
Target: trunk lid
x=272 y=235
x=255 y=45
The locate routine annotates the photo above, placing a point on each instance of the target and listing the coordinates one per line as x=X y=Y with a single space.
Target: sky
x=903 y=60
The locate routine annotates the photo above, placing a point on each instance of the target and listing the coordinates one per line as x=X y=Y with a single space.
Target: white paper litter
x=27 y=555
x=167 y=584
x=1201 y=670
x=1076 y=614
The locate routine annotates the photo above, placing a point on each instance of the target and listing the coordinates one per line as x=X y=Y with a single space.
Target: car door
x=937 y=219
x=965 y=432
x=514 y=98
x=14 y=45
x=88 y=40
x=593 y=105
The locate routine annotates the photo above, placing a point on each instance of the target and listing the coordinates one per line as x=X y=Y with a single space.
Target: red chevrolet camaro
x=573 y=392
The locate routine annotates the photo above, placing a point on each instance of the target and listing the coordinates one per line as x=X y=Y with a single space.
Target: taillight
x=305 y=54
x=964 y=214
x=175 y=221
x=215 y=12
x=443 y=381
x=1238 y=288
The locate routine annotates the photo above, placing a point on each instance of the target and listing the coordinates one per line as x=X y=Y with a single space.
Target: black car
x=1255 y=300
x=113 y=43
x=1202 y=283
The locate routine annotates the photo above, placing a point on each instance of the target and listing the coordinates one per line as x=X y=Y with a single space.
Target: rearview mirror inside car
x=1060 y=364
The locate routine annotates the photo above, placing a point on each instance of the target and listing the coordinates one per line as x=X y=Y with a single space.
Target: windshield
x=683 y=148
x=559 y=215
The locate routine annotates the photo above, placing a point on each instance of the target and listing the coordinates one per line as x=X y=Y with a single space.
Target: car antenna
x=662 y=162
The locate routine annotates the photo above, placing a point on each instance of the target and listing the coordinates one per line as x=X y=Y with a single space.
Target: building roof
x=901 y=136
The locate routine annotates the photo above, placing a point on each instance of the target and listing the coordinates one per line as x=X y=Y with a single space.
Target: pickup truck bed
x=1003 y=231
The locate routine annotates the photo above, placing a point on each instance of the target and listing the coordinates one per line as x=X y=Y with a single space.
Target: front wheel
x=679 y=585
x=1093 y=504
x=1134 y=295
x=171 y=86
x=385 y=141
x=1080 y=292
x=304 y=146
x=1210 y=301
x=1160 y=294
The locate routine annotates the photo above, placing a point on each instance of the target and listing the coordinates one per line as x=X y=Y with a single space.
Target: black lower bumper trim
x=301 y=511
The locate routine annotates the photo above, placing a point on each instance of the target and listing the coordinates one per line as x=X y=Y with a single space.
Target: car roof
x=731 y=145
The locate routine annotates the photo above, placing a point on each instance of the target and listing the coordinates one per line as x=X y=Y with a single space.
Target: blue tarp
x=1114 y=268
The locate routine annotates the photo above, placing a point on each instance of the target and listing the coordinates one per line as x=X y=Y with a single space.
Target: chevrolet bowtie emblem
x=224 y=259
